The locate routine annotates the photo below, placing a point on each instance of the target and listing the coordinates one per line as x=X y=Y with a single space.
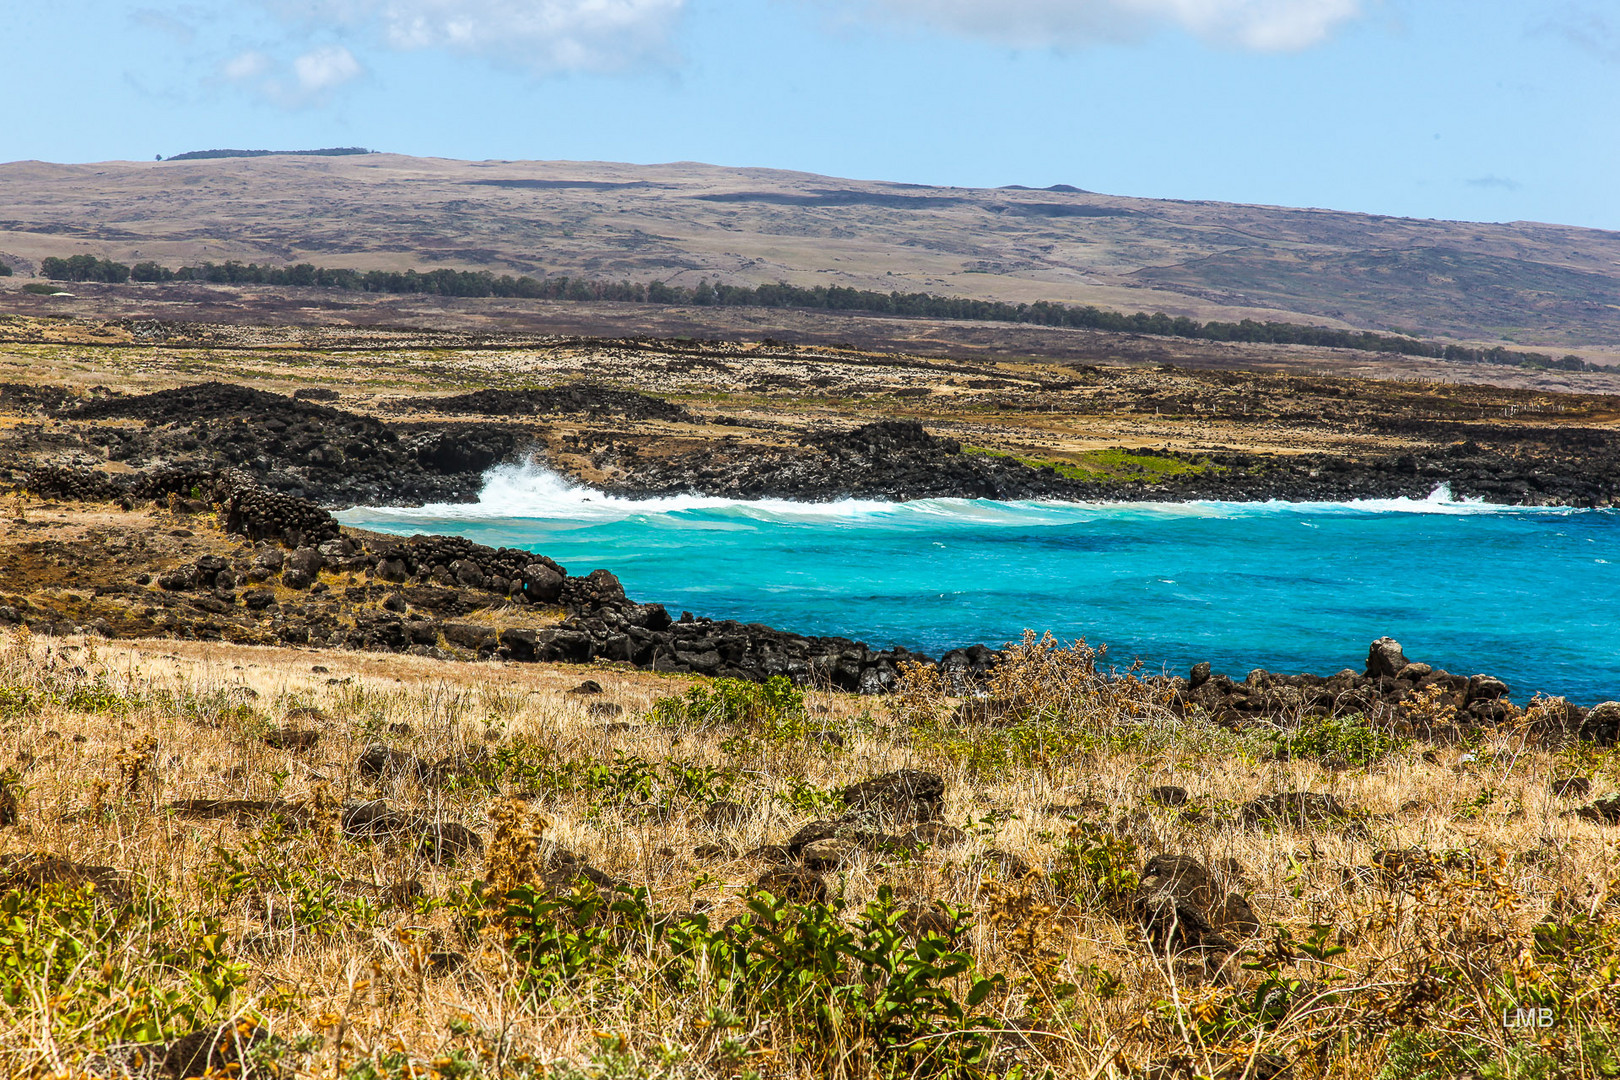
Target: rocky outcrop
x=295 y=446
x=902 y=460
x=890 y=459
x=1388 y=683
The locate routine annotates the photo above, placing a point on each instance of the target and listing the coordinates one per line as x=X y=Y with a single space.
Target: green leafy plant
x=859 y=988
x=1351 y=740
x=1097 y=866
x=291 y=879
x=804 y=797
x=562 y=940
x=765 y=706
x=125 y=972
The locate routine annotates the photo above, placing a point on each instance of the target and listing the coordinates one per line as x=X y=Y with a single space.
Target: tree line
x=482 y=283
x=330 y=151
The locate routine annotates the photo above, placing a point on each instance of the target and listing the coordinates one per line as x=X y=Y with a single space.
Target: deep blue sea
x=1531 y=595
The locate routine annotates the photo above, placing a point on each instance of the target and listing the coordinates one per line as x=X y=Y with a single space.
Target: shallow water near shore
x=1529 y=594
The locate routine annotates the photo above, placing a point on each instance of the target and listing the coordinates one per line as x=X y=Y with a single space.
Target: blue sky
x=1489 y=110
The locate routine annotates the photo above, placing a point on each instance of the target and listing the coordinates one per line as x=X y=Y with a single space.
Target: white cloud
x=247 y=66
x=311 y=79
x=544 y=35
x=325 y=68
x=1262 y=25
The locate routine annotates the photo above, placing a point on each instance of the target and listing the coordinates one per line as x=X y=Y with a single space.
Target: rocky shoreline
x=307 y=448
x=900 y=460
x=297 y=578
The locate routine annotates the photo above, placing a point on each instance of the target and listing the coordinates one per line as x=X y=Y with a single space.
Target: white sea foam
x=530 y=492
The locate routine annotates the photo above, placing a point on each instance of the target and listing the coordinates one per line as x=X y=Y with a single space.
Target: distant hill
x=331 y=151
x=1521 y=284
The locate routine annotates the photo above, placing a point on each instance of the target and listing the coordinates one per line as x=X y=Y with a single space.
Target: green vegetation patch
x=1115 y=464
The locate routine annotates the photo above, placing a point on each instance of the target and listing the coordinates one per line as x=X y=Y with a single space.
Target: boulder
x=1168 y=795
x=306 y=560
x=209 y=567
x=920 y=922
x=467 y=574
x=35 y=871
x=541 y=583
x=297 y=579
x=178 y=580
x=1571 y=787
x=564 y=868
x=471 y=636
x=604 y=586
x=725 y=815
x=1180 y=877
x=438 y=839
x=259 y=599
x=851 y=828
x=793 y=883
x=1602 y=724
x=1183 y=907
x=935 y=834
x=1486 y=688
x=903 y=795
x=1385 y=658
x=1603 y=811
x=825 y=856
x=268 y=561
x=381 y=762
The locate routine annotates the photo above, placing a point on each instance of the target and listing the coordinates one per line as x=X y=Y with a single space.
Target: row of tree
x=85 y=268
x=482 y=283
x=330 y=151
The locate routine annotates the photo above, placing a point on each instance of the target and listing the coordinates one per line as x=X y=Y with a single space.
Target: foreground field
x=601 y=872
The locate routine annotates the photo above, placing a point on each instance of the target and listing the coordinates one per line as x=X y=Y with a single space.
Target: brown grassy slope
x=1534 y=283
x=350 y=976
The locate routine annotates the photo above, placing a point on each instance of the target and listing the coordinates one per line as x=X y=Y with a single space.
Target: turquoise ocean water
x=1531 y=595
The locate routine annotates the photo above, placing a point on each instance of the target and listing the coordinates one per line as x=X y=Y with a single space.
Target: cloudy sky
x=1470 y=109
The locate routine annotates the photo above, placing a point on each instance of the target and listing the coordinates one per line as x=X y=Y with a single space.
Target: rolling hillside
x=1532 y=285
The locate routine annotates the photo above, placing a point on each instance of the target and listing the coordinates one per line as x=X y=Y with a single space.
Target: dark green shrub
x=860 y=991
x=734 y=701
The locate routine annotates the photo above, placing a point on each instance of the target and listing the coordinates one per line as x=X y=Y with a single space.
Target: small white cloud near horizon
x=544 y=36
x=1259 y=25
x=313 y=77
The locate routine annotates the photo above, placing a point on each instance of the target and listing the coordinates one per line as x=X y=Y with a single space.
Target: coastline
x=307 y=581
x=269 y=467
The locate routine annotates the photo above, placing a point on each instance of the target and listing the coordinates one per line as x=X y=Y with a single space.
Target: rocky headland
x=637 y=445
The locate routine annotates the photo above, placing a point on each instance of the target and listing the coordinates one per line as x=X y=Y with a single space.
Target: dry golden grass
x=347 y=975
